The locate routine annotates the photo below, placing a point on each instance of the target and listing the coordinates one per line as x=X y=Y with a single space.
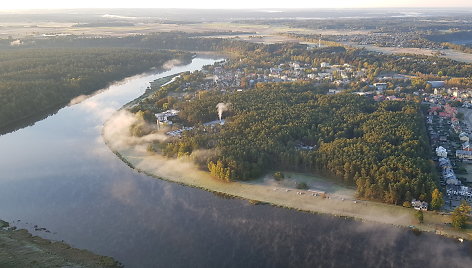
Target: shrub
x=302 y=186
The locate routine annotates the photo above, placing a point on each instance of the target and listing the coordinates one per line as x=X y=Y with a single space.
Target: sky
x=239 y=4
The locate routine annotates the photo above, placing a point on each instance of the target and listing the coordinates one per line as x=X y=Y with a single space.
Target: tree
x=428 y=87
x=460 y=215
x=407 y=204
x=437 y=200
x=419 y=216
x=279 y=176
x=302 y=186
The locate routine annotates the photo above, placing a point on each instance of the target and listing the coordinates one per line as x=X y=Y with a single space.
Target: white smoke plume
x=222 y=107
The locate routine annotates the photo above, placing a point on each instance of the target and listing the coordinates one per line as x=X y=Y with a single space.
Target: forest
x=380 y=147
x=170 y=40
x=33 y=81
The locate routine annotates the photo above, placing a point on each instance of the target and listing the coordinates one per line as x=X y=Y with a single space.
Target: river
x=59 y=174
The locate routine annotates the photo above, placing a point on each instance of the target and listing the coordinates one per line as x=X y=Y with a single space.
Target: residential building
x=419 y=205
x=462 y=154
x=464 y=137
x=441 y=152
x=380 y=86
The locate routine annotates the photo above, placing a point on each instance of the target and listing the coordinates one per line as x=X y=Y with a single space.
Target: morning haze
x=246 y=134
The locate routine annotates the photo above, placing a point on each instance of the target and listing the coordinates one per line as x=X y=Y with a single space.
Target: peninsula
x=261 y=124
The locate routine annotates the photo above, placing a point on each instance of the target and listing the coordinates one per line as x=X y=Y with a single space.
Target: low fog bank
x=117 y=134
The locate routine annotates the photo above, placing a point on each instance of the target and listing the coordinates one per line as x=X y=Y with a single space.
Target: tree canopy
x=380 y=147
x=33 y=81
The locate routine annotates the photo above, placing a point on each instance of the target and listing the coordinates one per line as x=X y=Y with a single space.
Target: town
x=446 y=123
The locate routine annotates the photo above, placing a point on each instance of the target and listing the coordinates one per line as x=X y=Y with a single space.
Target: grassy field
x=314 y=182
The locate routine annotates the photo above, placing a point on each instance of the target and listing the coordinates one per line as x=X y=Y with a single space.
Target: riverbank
x=185 y=172
x=21 y=249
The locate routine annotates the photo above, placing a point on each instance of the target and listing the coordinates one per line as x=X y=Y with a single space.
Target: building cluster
x=402 y=39
x=447 y=133
x=448 y=176
x=444 y=95
x=221 y=78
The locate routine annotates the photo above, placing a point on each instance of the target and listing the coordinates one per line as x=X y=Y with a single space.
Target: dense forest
x=33 y=81
x=380 y=147
x=171 y=40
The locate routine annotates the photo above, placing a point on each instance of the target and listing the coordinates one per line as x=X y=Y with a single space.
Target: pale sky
x=243 y=4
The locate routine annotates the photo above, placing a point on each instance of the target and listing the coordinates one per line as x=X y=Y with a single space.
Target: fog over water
x=59 y=174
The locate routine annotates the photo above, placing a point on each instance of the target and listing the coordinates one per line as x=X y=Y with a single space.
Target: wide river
x=59 y=174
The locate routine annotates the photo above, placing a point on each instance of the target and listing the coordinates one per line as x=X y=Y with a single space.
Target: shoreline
x=22 y=249
x=184 y=172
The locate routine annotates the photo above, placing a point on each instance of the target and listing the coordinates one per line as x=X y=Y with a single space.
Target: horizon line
x=230 y=8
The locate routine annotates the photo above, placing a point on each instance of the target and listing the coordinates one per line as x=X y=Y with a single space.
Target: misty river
x=58 y=174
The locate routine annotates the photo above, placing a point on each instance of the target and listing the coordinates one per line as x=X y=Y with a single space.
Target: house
x=437 y=91
x=466 y=146
x=441 y=152
x=453 y=181
x=459 y=190
x=445 y=163
x=334 y=91
x=164 y=116
x=464 y=137
x=443 y=114
x=436 y=84
x=324 y=65
x=462 y=154
x=450 y=111
x=419 y=205
x=380 y=86
x=295 y=65
x=449 y=176
x=393 y=98
x=379 y=98
x=434 y=110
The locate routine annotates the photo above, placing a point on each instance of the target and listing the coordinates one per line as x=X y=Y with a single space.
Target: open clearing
x=316 y=183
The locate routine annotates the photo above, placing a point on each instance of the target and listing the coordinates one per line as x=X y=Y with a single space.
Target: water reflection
x=58 y=174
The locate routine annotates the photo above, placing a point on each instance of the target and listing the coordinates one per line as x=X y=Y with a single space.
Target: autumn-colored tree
x=460 y=215
x=437 y=200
